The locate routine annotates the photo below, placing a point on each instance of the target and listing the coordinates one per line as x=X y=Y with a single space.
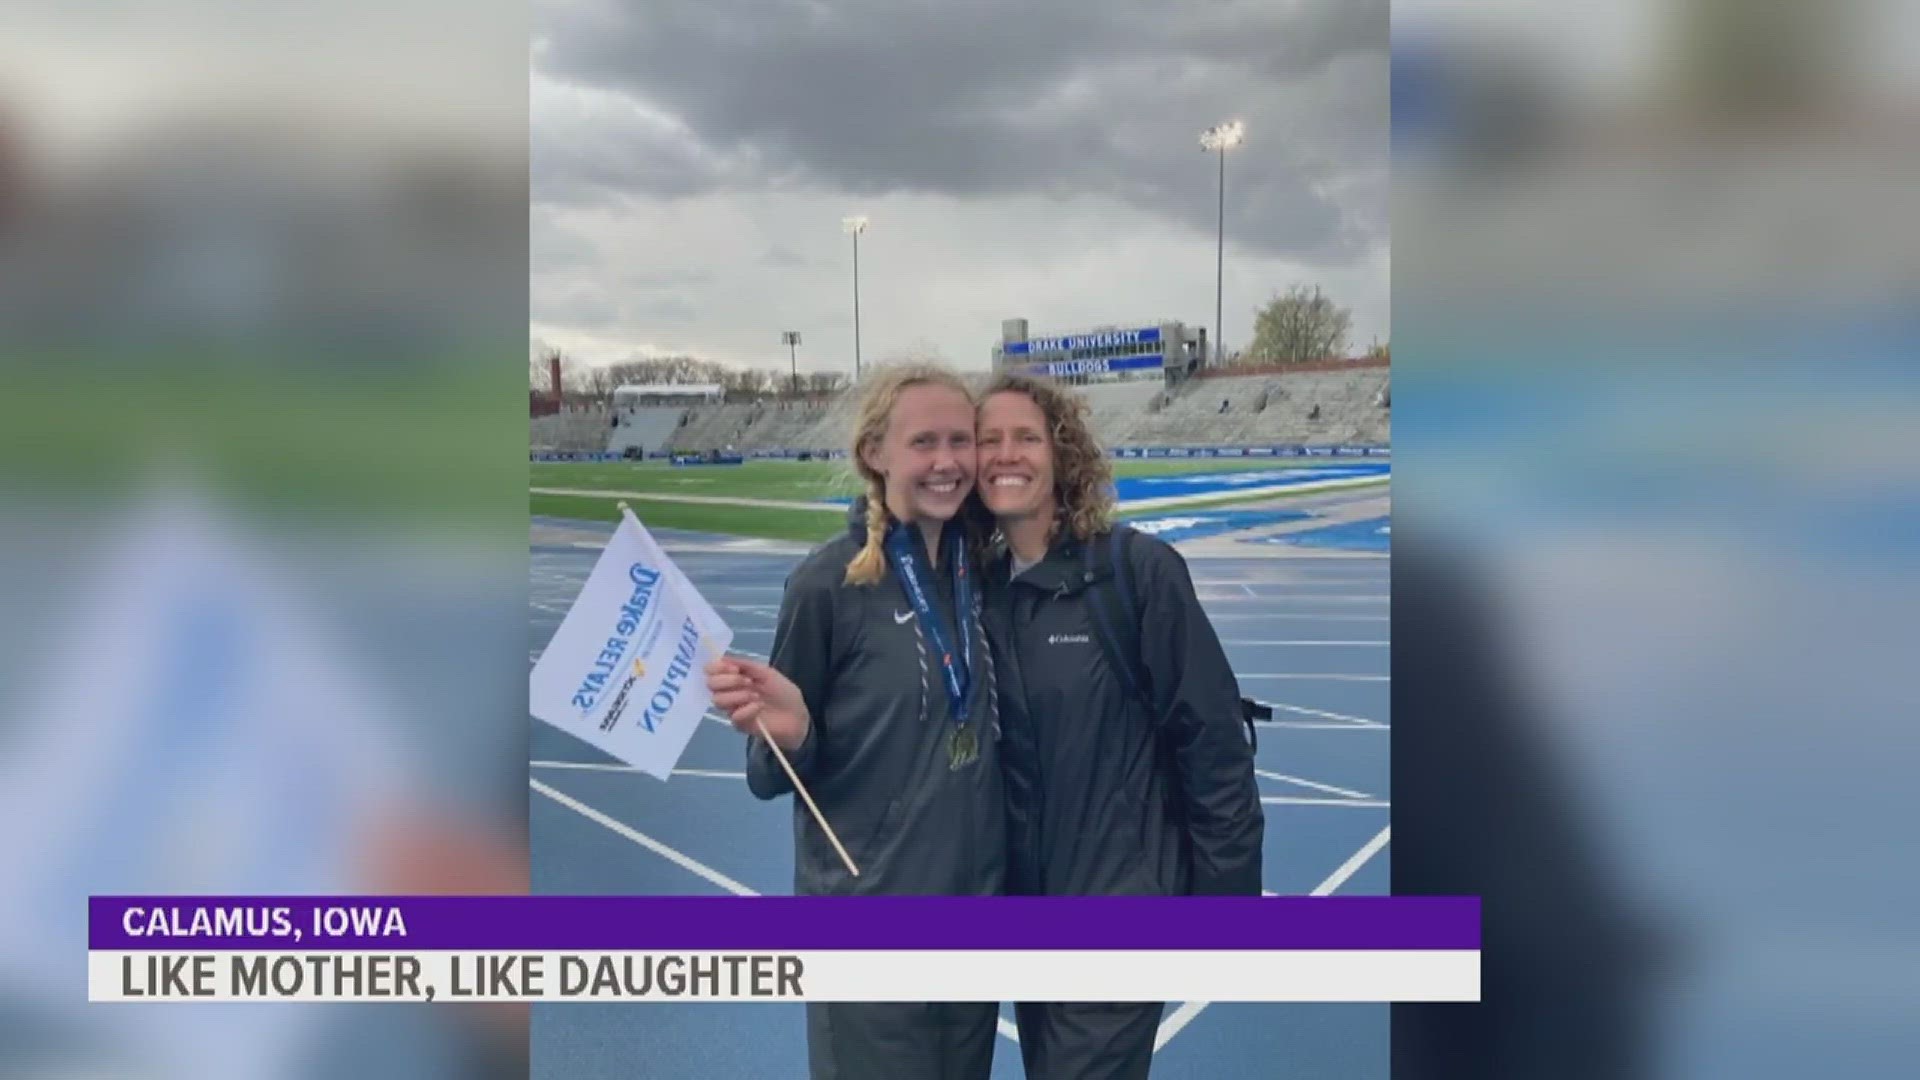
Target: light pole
x=792 y=340
x=855 y=225
x=1221 y=138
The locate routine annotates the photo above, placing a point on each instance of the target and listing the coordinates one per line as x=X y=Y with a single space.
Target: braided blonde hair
x=883 y=391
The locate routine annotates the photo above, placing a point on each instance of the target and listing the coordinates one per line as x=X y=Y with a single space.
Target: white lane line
x=1321 y=713
x=1184 y=1015
x=1295 y=616
x=1352 y=865
x=1299 y=675
x=1321 y=725
x=614 y=766
x=684 y=861
x=1297 y=598
x=1373 y=643
x=1304 y=583
x=1297 y=800
x=1314 y=784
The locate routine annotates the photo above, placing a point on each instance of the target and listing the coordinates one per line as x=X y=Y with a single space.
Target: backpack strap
x=1110 y=596
x=1117 y=623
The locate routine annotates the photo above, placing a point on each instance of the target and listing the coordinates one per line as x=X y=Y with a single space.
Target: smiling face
x=926 y=454
x=1016 y=458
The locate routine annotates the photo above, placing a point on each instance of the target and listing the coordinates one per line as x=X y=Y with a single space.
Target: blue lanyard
x=958 y=676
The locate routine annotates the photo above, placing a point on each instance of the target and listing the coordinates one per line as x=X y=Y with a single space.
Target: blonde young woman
x=1113 y=788
x=879 y=689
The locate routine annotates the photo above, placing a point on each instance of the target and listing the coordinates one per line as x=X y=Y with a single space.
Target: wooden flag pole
x=802 y=789
x=781 y=756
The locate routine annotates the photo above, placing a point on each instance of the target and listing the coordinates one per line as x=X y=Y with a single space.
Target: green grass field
x=803 y=481
x=399 y=444
x=771 y=523
x=798 y=481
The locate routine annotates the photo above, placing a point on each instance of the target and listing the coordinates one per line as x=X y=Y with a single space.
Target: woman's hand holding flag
x=759 y=700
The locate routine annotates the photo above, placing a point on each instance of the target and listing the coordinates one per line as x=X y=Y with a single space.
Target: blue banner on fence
x=789 y=454
x=574 y=455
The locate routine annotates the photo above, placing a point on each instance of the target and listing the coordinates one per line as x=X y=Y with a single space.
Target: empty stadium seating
x=571 y=430
x=1315 y=407
x=646 y=430
x=767 y=425
x=1258 y=409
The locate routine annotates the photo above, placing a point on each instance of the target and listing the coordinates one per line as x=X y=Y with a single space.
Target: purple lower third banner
x=125 y=923
x=676 y=948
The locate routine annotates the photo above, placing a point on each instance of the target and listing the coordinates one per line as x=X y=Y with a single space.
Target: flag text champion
x=677 y=673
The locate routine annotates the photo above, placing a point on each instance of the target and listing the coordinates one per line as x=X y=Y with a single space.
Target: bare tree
x=822 y=383
x=598 y=382
x=601 y=380
x=1300 y=325
x=743 y=384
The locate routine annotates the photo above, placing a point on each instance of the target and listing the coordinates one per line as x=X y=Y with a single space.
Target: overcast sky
x=692 y=160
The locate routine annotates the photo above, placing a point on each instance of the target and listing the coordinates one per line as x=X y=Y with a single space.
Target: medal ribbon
x=956 y=671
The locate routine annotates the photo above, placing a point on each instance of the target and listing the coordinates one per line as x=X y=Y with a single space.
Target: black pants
x=1087 y=1041
x=882 y=1040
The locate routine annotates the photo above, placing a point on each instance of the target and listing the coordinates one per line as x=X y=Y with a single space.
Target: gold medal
x=963 y=747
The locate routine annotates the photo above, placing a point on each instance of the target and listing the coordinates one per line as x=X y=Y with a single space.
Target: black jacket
x=877 y=759
x=1104 y=796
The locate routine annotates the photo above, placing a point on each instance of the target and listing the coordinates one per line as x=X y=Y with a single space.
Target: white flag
x=626 y=671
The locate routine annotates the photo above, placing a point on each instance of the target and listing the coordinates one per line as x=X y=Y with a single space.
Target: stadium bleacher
x=1260 y=408
x=572 y=430
x=645 y=431
x=1326 y=408
x=1334 y=406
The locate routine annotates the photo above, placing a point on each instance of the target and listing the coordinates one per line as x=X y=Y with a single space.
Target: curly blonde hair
x=1082 y=476
x=882 y=391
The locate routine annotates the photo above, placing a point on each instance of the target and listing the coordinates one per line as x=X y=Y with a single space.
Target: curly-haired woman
x=1113 y=788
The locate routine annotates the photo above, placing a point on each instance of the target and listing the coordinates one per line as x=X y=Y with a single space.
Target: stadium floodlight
x=1219 y=139
x=855 y=225
x=1224 y=136
x=791 y=338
